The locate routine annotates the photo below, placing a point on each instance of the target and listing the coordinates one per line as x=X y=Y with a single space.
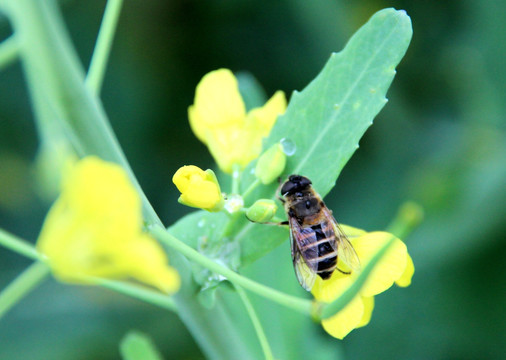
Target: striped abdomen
x=321 y=253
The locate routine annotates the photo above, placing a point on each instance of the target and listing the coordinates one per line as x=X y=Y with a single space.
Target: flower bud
x=262 y=210
x=271 y=164
x=198 y=188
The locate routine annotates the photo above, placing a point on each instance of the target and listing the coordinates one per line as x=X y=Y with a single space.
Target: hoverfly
x=317 y=241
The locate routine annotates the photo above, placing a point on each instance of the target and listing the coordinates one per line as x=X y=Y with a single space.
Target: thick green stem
x=302 y=305
x=22 y=285
x=9 y=52
x=53 y=68
x=52 y=65
x=102 y=50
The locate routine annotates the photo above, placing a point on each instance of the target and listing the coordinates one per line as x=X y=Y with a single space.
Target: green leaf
x=327 y=119
x=137 y=346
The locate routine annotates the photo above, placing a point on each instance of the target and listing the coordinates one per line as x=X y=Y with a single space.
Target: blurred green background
x=440 y=141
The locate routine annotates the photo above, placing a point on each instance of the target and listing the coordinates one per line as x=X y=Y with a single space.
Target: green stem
x=22 y=247
x=22 y=285
x=9 y=51
x=302 y=305
x=102 y=50
x=250 y=189
x=18 y=245
x=236 y=176
x=256 y=323
x=408 y=217
x=227 y=229
x=52 y=67
x=138 y=292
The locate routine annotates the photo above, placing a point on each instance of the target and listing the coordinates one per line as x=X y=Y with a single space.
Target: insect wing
x=305 y=272
x=345 y=250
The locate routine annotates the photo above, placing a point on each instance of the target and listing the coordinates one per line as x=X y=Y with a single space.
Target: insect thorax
x=304 y=206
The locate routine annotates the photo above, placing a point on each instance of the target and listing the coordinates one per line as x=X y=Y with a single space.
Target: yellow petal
x=368 y=308
x=405 y=279
x=346 y=320
x=330 y=289
x=203 y=194
x=229 y=146
x=265 y=116
x=148 y=263
x=94 y=230
x=95 y=187
x=182 y=176
x=388 y=269
x=217 y=104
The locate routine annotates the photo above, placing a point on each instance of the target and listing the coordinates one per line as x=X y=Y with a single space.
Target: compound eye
x=304 y=181
x=288 y=187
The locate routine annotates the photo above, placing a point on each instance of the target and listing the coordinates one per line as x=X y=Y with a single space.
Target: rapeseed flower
x=94 y=230
x=219 y=119
x=396 y=266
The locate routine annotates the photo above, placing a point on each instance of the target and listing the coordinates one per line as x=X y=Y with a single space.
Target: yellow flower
x=94 y=230
x=198 y=188
x=218 y=118
x=396 y=266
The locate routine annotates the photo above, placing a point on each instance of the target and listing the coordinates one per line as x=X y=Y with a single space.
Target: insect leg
x=343 y=272
x=281 y=223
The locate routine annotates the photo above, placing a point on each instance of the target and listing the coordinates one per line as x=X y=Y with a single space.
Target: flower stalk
x=18 y=245
x=262 y=338
x=301 y=305
x=22 y=285
x=144 y=294
x=98 y=64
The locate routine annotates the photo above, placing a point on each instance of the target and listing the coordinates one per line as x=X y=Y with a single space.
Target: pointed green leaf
x=327 y=119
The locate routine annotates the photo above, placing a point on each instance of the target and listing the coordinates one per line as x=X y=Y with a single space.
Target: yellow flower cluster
x=218 y=118
x=396 y=266
x=94 y=230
